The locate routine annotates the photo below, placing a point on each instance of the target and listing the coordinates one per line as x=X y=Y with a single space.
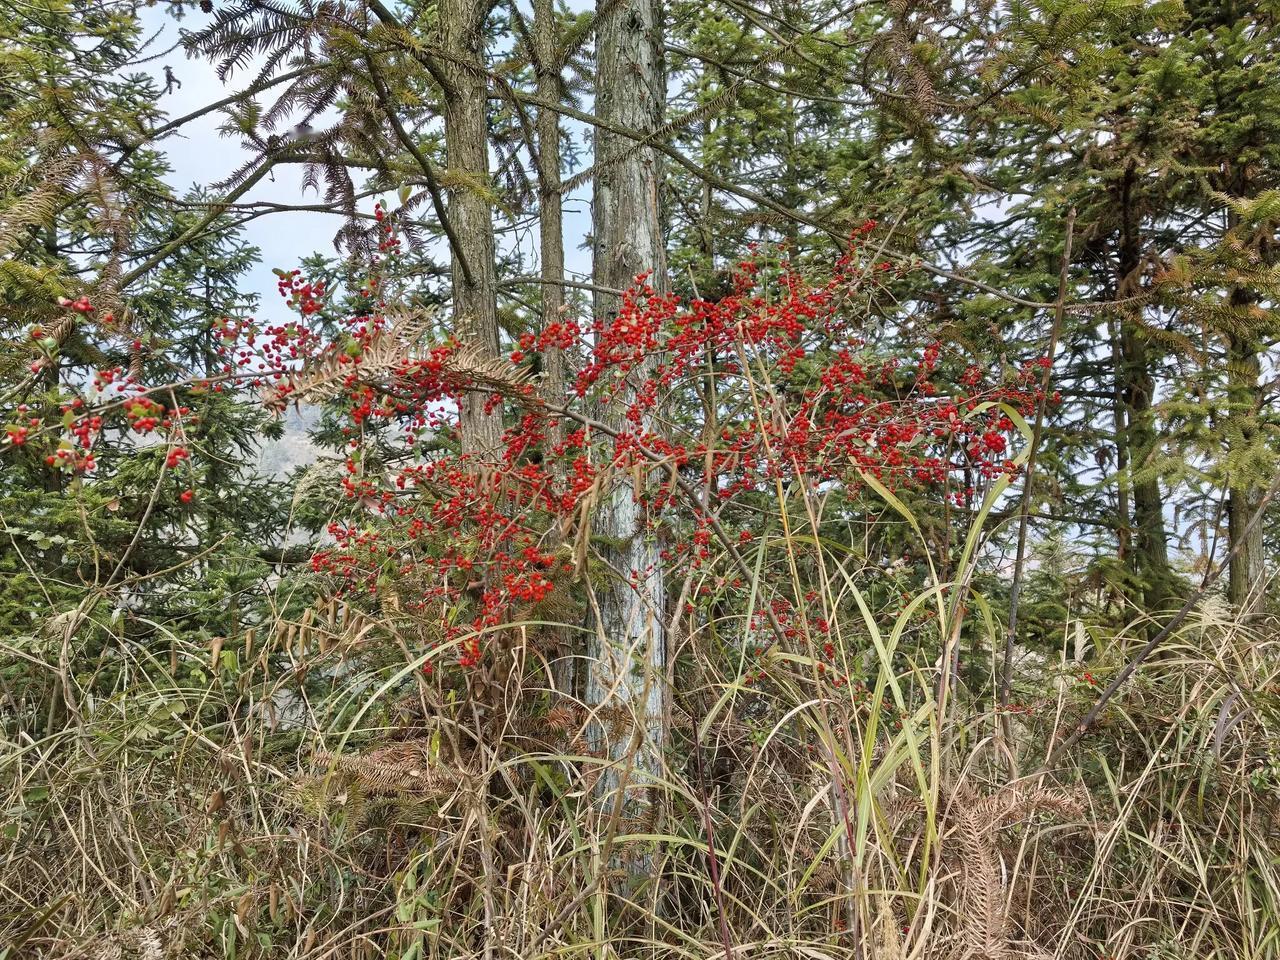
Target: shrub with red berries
x=789 y=379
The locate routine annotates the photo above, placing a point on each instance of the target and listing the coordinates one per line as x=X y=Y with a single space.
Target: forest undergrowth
x=214 y=802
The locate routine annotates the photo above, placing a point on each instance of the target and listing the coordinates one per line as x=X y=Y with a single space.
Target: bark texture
x=627 y=658
x=1247 y=574
x=474 y=265
x=1150 y=541
x=1137 y=390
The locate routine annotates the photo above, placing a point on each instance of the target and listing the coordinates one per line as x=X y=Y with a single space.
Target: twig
x=389 y=19
x=576 y=284
x=217 y=210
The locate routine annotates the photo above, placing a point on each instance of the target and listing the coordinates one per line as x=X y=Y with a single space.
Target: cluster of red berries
x=111 y=397
x=461 y=532
x=66 y=458
x=79 y=305
x=306 y=298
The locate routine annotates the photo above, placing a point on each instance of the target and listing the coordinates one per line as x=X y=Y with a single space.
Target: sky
x=199 y=155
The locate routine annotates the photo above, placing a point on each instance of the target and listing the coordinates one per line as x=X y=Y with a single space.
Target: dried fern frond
x=825 y=876
x=323 y=377
x=155 y=941
x=398 y=769
x=563 y=717
x=390 y=353
x=477 y=369
x=888 y=933
x=977 y=820
x=1016 y=802
x=984 y=932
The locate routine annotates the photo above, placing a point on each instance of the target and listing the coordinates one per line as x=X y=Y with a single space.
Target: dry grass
x=378 y=816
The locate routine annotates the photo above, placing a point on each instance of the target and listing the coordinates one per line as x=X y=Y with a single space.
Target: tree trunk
x=627 y=656
x=473 y=266
x=1150 y=543
x=550 y=214
x=1124 y=516
x=551 y=263
x=1247 y=571
x=1137 y=389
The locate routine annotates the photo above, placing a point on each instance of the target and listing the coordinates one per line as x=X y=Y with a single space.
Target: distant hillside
x=294 y=449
